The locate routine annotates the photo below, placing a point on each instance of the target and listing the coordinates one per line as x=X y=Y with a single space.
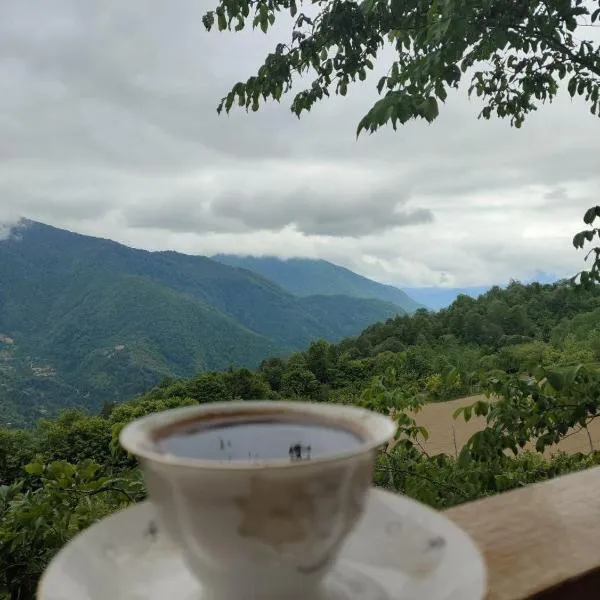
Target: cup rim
x=375 y=429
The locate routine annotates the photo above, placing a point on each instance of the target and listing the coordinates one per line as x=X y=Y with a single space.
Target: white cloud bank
x=108 y=127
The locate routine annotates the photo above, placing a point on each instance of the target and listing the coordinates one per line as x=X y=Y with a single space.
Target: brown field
x=447 y=435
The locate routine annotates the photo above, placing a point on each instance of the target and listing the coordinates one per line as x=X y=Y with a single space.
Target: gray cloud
x=313 y=212
x=5 y=230
x=108 y=127
x=10 y=226
x=307 y=210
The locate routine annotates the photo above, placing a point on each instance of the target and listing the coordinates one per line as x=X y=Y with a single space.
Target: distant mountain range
x=304 y=276
x=86 y=320
x=436 y=298
x=307 y=277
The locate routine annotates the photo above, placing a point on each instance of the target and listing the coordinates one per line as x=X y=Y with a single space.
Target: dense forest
x=84 y=320
x=311 y=277
x=534 y=350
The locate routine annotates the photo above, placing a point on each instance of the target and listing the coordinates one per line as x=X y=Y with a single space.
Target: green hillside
x=90 y=320
x=306 y=277
x=70 y=466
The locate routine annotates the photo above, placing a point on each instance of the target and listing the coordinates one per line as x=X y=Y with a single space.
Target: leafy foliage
x=443 y=481
x=544 y=409
x=513 y=57
x=38 y=515
x=587 y=236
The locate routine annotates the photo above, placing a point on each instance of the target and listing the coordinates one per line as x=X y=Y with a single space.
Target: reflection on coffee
x=258 y=440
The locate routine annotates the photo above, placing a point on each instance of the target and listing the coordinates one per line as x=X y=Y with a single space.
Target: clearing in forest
x=448 y=435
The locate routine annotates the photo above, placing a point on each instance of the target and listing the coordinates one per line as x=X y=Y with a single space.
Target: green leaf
x=431 y=109
x=465 y=457
x=87 y=469
x=467 y=413
x=263 y=17
x=572 y=87
x=591 y=214
x=579 y=239
x=424 y=433
x=440 y=92
x=208 y=20
x=34 y=469
x=556 y=380
x=571 y=375
x=229 y=102
x=481 y=408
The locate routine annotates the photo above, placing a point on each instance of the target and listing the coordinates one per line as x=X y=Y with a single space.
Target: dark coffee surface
x=259 y=440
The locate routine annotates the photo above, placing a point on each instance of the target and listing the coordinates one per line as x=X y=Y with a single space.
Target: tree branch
x=102 y=490
x=429 y=479
x=560 y=47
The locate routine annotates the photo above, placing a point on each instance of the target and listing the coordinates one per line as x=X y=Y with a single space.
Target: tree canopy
x=514 y=56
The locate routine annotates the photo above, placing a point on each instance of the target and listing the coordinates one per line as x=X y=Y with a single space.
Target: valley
x=84 y=321
x=534 y=349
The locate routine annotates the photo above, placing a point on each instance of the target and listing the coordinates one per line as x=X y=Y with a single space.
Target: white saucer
x=124 y=557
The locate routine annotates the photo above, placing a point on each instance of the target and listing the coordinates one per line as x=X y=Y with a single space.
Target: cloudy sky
x=108 y=127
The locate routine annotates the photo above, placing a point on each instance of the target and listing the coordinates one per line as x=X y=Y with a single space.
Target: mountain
x=436 y=298
x=85 y=320
x=306 y=277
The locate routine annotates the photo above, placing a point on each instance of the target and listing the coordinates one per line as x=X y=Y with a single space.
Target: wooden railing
x=541 y=541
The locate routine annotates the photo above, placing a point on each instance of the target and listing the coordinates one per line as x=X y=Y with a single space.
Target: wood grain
x=541 y=541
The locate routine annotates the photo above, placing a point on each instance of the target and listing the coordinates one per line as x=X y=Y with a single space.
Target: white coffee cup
x=266 y=529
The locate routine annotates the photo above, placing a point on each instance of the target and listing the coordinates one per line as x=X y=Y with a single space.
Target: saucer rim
x=135 y=437
x=477 y=584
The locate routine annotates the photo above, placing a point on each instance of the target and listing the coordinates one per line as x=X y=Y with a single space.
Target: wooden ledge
x=541 y=541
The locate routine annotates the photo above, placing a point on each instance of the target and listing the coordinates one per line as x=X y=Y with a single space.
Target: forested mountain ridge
x=85 y=320
x=519 y=313
x=446 y=353
x=306 y=277
x=437 y=298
